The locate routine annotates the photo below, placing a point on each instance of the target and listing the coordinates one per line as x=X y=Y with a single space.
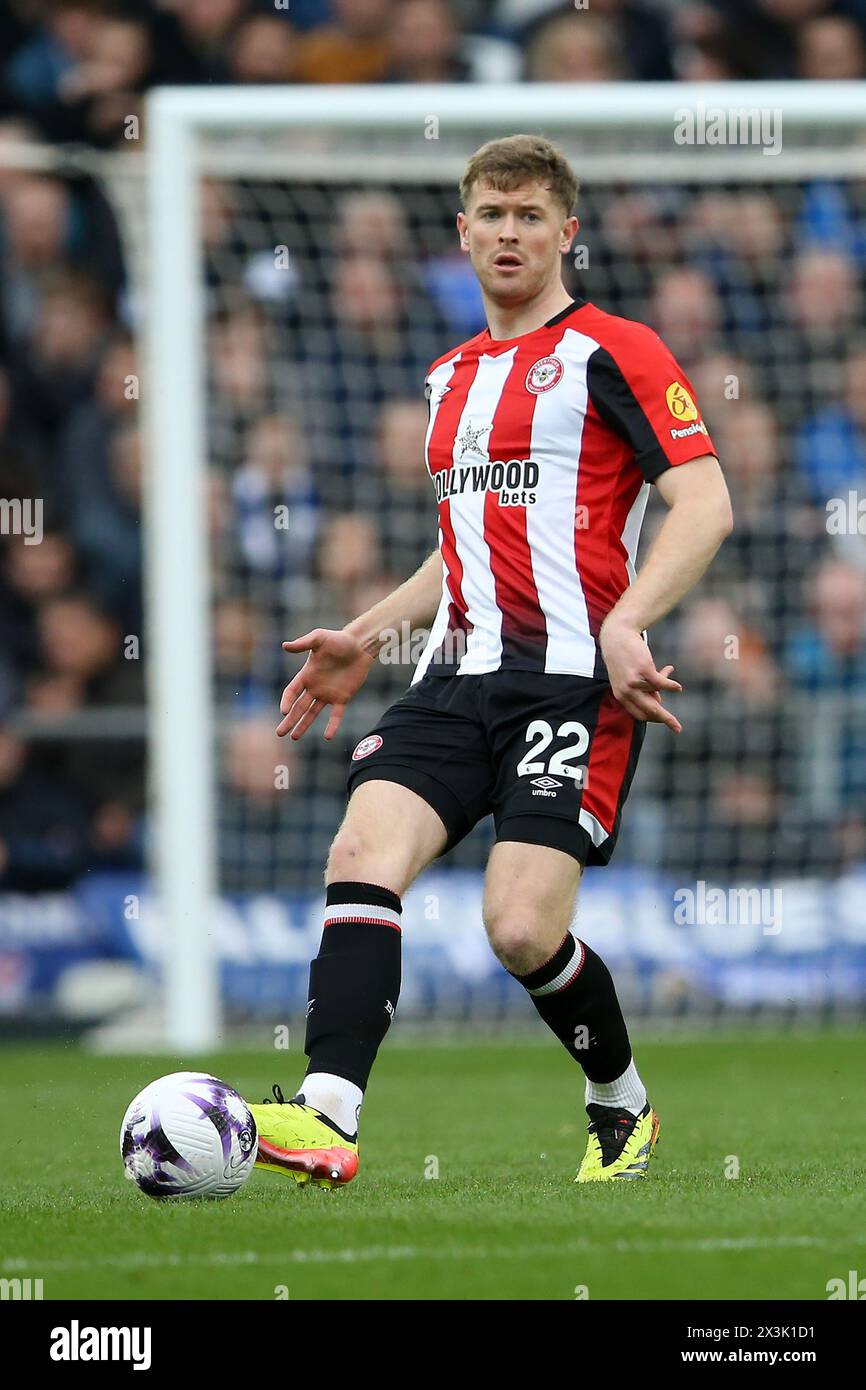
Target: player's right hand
x=334 y=671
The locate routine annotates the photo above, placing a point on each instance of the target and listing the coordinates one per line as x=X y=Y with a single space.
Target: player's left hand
x=633 y=677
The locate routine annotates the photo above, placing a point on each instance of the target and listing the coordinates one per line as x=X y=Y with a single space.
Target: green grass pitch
x=505 y=1124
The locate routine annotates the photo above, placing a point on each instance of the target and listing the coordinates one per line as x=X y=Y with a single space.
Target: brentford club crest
x=366 y=746
x=544 y=375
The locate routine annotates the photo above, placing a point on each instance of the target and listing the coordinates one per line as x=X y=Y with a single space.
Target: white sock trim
x=338 y=1099
x=627 y=1092
x=361 y=912
x=565 y=976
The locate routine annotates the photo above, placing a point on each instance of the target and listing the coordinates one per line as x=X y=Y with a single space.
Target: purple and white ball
x=188 y=1135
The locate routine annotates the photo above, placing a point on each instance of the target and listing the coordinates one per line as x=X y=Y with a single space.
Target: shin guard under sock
x=354 y=980
x=575 y=995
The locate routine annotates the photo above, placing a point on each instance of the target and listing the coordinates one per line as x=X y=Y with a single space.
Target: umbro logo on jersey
x=435 y=394
x=543 y=375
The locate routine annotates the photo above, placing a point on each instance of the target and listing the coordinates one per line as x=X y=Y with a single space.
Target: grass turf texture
x=503 y=1219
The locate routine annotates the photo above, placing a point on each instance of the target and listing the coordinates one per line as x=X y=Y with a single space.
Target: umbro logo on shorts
x=546 y=786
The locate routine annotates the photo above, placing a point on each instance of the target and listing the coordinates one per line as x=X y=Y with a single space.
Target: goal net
x=302 y=272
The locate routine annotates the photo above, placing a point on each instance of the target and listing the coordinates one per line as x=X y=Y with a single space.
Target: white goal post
x=616 y=132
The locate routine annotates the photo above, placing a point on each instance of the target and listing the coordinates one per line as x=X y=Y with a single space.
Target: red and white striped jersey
x=541 y=449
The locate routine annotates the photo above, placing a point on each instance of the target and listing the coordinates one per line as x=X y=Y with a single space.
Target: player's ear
x=570 y=228
x=463 y=229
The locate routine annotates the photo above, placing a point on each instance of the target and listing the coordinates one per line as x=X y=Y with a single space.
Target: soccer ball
x=188 y=1135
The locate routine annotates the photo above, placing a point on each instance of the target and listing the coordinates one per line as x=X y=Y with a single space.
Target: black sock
x=354 y=980
x=575 y=995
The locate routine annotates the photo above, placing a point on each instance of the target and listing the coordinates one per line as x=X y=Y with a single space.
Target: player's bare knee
x=348 y=856
x=514 y=940
x=355 y=858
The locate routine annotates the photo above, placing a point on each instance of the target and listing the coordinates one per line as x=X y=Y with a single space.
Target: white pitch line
x=385 y=1253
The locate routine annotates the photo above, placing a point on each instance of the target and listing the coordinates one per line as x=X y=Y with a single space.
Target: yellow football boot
x=620 y=1144
x=298 y=1140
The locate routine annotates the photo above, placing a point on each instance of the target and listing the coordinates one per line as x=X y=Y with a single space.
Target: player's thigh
x=529 y=898
x=418 y=782
x=388 y=835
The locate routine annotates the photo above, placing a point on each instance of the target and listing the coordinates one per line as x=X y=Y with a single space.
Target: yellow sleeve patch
x=680 y=403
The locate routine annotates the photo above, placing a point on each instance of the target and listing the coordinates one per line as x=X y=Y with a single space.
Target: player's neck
x=510 y=321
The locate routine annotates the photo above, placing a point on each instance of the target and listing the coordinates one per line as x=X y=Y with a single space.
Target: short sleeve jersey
x=541 y=449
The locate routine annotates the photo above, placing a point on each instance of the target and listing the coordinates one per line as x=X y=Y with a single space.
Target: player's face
x=515 y=240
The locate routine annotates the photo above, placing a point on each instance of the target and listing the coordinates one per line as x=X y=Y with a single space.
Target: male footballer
x=531 y=698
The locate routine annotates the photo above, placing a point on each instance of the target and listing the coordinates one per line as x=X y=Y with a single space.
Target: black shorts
x=551 y=756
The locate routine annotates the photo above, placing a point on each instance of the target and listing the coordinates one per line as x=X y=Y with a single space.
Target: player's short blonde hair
x=518 y=159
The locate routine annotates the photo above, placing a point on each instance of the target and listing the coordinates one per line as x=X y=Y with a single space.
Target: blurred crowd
x=318 y=502
x=78 y=68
